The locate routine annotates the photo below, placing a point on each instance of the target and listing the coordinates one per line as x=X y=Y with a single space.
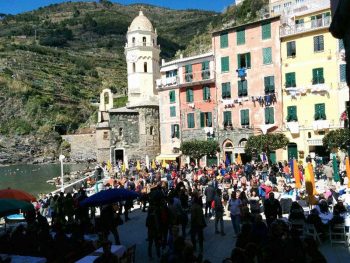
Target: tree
x=266 y=143
x=197 y=149
x=337 y=139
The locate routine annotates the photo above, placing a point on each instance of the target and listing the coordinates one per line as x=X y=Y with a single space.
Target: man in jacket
x=209 y=193
x=272 y=209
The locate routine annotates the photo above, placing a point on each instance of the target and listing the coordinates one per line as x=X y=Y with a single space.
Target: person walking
x=209 y=193
x=154 y=233
x=197 y=223
x=234 y=206
x=272 y=209
x=219 y=213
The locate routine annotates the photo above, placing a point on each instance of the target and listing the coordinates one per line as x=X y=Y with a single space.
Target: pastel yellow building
x=313 y=80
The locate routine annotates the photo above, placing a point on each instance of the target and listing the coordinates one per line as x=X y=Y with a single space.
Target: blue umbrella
x=109 y=196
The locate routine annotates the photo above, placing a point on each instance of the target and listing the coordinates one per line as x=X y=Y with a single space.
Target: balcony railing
x=198 y=76
x=141 y=44
x=305 y=27
x=170 y=81
x=298 y=7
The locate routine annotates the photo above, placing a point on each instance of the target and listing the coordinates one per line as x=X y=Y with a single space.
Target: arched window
x=151 y=130
x=120 y=131
x=133 y=67
x=133 y=41
x=242 y=142
x=145 y=67
x=144 y=41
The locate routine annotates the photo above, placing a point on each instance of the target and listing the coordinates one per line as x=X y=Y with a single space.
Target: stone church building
x=130 y=132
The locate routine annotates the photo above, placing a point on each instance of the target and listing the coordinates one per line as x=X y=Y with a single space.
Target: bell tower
x=142 y=57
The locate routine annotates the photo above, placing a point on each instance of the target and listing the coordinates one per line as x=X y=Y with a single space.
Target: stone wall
x=136 y=133
x=83 y=146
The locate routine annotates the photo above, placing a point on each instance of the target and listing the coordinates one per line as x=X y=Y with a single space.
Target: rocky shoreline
x=30 y=149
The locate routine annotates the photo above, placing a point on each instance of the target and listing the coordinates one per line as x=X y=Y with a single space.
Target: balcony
x=298 y=7
x=295 y=29
x=198 y=77
x=141 y=44
x=167 y=82
x=314 y=142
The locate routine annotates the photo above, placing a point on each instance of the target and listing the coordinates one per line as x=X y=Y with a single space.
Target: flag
x=296 y=174
x=347 y=165
x=239 y=159
x=153 y=165
x=310 y=184
x=138 y=166
x=123 y=168
x=227 y=160
x=335 y=169
x=109 y=166
x=164 y=163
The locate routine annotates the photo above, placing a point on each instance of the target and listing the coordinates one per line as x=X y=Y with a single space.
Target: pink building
x=248 y=80
x=187 y=96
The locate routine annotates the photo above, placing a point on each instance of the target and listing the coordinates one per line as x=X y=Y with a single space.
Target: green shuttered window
x=175 y=131
x=225 y=64
x=188 y=73
x=243 y=60
x=226 y=90
x=242 y=88
x=240 y=36
x=317 y=76
x=206 y=93
x=318 y=43
x=244 y=117
x=291 y=49
x=172 y=96
x=227 y=118
x=172 y=111
x=269 y=83
x=205 y=70
x=189 y=95
x=267 y=55
x=342 y=72
x=320 y=111
x=190 y=120
x=290 y=80
x=292 y=113
x=269 y=115
x=206 y=119
x=266 y=31
x=224 y=40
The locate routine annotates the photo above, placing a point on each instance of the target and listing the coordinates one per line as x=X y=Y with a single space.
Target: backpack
x=338 y=25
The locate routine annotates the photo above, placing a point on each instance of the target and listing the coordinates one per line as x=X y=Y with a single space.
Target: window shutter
x=210 y=122
x=267 y=56
x=172 y=96
x=266 y=30
x=248 y=60
x=172 y=111
x=341 y=44
x=205 y=65
x=342 y=72
x=321 y=78
x=238 y=61
x=225 y=66
x=188 y=120
x=323 y=111
x=240 y=36
x=245 y=88
x=202 y=119
x=267 y=115
x=242 y=117
x=240 y=88
x=272 y=115
x=224 y=40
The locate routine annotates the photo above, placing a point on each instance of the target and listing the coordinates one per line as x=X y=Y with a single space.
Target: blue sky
x=19 y=6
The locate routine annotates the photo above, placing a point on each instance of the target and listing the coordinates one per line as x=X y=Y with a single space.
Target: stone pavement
x=216 y=247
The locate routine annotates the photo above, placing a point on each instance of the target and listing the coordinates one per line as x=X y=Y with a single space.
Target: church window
x=106 y=97
x=144 y=41
x=133 y=41
x=151 y=130
x=145 y=67
x=133 y=67
x=105 y=135
x=120 y=131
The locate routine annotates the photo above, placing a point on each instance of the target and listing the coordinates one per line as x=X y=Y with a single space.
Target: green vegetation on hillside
x=54 y=61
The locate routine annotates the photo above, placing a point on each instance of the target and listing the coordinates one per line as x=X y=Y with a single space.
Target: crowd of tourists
x=261 y=200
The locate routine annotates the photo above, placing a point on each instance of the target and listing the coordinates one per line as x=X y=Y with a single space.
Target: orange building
x=248 y=79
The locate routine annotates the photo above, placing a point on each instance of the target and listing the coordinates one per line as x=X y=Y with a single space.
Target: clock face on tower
x=131 y=57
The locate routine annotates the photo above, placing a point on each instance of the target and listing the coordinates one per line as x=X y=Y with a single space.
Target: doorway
x=118 y=155
x=292 y=151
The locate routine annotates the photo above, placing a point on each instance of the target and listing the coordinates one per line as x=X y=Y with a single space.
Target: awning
x=167 y=157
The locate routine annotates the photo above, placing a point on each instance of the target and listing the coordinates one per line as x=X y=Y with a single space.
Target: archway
x=228 y=152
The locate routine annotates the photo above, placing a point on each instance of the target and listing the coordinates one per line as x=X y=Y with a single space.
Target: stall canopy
x=167 y=157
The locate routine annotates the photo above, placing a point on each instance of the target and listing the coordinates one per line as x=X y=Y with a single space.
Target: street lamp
x=61 y=158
